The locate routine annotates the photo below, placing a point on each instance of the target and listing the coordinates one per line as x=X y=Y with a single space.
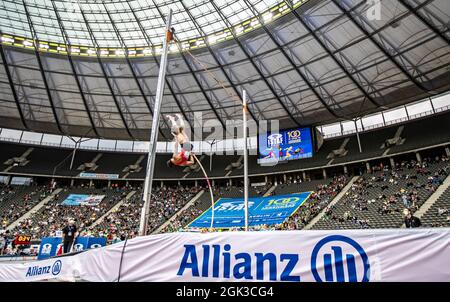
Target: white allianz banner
x=296 y=256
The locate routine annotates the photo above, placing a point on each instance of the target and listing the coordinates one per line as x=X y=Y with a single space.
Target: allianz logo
x=38 y=270
x=335 y=258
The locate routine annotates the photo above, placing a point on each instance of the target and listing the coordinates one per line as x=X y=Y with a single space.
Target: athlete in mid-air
x=184 y=157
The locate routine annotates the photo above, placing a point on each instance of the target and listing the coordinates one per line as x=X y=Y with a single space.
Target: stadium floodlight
x=59 y=48
x=44 y=46
x=131 y=52
x=75 y=50
x=239 y=29
x=268 y=17
x=91 y=51
x=147 y=51
x=104 y=52
x=7 y=39
x=27 y=43
x=184 y=46
x=212 y=39
x=254 y=23
x=199 y=42
x=120 y=52
x=283 y=8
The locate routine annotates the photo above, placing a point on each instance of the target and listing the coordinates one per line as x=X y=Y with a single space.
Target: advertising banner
x=387 y=255
x=229 y=212
x=99 y=175
x=83 y=199
x=50 y=245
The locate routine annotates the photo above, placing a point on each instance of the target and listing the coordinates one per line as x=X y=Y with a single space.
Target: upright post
x=154 y=133
x=244 y=113
x=73 y=154
x=357 y=137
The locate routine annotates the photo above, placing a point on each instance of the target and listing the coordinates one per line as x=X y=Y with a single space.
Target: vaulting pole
x=154 y=133
x=210 y=190
x=244 y=114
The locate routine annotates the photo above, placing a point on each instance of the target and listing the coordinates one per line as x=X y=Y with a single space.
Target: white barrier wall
x=346 y=255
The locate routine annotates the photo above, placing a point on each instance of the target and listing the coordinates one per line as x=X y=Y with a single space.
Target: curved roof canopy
x=89 y=68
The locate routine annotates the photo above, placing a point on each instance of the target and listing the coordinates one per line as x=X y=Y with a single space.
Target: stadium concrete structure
x=81 y=85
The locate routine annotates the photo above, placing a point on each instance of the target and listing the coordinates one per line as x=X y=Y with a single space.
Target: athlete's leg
x=174 y=128
x=180 y=122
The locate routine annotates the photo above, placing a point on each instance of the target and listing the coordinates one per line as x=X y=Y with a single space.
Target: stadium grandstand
x=136 y=126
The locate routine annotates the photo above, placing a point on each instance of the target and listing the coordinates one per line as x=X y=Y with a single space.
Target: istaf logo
x=78 y=247
x=46 y=249
x=339 y=258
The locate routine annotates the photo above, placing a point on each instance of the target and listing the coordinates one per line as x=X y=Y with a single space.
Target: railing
x=389 y=123
x=226 y=146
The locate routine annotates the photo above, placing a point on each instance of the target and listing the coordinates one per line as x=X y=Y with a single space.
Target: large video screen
x=285 y=145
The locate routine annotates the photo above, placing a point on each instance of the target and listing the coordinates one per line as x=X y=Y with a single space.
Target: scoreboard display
x=22 y=240
x=284 y=145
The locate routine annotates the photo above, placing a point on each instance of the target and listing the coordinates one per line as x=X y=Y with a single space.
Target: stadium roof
x=89 y=68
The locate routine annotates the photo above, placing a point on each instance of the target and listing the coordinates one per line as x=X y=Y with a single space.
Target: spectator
x=410 y=220
x=69 y=233
x=2 y=243
x=5 y=239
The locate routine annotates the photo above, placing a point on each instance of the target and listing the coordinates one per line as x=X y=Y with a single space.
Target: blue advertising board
x=50 y=245
x=285 y=145
x=99 y=175
x=229 y=212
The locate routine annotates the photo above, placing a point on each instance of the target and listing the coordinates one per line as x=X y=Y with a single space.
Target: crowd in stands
x=124 y=221
x=121 y=222
x=15 y=201
x=401 y=187
x=52 y=216
x=319 y=199
x=407 y=185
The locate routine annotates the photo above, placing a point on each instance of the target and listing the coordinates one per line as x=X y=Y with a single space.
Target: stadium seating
x=376 y=200
x=54 y=215
x=439 y=213
x=15 y=201
x=45 y=160
x=122 y=222
x=166 y=201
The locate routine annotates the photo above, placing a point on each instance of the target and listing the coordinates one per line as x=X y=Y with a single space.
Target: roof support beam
x=41 y=68
x=379 y=46
x=193 y=75
x=13 y=89
x=169 y=86
x=341 y=66
x=272 y=90
x=72 y=66
x=201 y=32
x=105 y=74
x=133 y=72
x=283 y=51
x=415 y=12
